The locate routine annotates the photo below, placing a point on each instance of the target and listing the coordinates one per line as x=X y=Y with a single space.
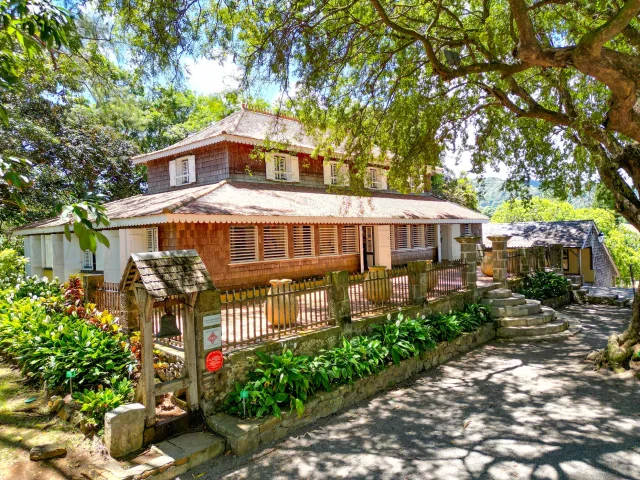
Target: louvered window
x=275 y=242
x=465 y=229
x=87 y=260
x=402 y=237
x=431 y=236
x=303 y=241
x=328 y=239
x=417 y=236
x=152 y=239
x=243 y=243
x=393 y=237
x=349 y=239
x=373 y=178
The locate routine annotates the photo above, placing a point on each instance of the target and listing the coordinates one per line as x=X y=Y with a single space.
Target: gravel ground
x=502 y=412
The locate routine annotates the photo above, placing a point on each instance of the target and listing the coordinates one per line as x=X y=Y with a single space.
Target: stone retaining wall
x=558 y=302
x=245 y=435
x=238 y=363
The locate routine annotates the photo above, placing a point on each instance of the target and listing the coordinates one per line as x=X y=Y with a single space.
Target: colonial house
x=584 y=254
x=255 y=218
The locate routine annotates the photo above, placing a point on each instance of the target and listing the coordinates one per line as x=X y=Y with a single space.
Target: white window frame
x=350 y=243
x=303 y=250
x=151 y=239
x=87 y=260
x=375 y=178
x=328 y=240
x=282 y=167
x=182 y=171
x=275 y=242
x=247 y=249
x=336 y=173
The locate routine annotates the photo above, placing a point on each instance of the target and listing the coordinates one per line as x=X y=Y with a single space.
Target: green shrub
x=404 y=338
x=35 y=287
x=11 y=266
x=46 y=344
x=542 y=285
x=482 y=313
x=95 y=403
x=445 y=327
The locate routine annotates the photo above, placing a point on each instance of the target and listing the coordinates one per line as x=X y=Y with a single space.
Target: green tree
x=459 y=190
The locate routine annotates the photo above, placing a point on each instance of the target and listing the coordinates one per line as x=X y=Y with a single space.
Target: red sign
x=213 y=337
x=214 y=361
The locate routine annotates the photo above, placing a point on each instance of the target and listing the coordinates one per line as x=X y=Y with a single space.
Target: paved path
x=502 y=411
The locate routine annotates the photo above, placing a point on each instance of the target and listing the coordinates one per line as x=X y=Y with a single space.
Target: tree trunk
x=620 y=346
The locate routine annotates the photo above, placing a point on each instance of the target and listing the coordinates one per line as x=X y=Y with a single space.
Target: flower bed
x=246 y=434
x=48 y=331
x=287 y=380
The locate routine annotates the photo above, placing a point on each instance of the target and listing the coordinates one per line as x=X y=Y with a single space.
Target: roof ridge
x=192 y=197
x=247 y=108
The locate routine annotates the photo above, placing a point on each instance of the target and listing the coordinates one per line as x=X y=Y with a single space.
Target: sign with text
x=212 y=338
x=211 y=321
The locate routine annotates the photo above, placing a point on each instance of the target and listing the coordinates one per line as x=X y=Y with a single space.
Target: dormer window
x=336 y=174
x=282 y=167
x=375 y=179
x=182 y=171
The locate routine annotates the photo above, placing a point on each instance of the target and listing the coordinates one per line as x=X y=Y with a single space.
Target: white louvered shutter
x=270 y=166
x=344 y=175
x=349 y=239
x=417 y=236
x=382 y=178
x=294 y=168
x=172 y=173
x=393 y=237
x=328 y=239
x=243 y=244
x=275 y=242
x=303 y=241
x=431 y=236
x=152 y=239
x=402 y=237
x=87 y=261
x=192 y=168
x=326 y=170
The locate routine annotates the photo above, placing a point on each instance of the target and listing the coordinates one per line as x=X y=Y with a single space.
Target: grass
x=24 y=425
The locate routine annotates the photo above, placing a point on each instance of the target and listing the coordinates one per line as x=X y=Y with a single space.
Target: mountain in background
x=491 y=195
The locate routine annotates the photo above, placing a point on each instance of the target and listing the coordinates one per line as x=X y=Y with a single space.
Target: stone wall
x=402 y=257
x=557 y=302
x=238 y=363
x=243 y=436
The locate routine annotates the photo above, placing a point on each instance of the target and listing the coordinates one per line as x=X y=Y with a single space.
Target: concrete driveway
x=503 y=411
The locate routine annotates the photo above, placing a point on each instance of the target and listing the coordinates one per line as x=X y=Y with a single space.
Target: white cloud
x=211 y=76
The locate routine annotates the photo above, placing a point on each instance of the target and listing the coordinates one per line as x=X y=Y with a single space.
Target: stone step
x=514 y=299
x=498 y=293
x=172 y=457
x=530 y=307
x=554 y=337
x=545 y=316
x=547 y=329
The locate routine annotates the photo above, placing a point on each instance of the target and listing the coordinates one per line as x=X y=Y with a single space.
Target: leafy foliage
x=95 y=403
x=459 y=190
x=36 y=287
x=11 y=266
x=542 y=285
x=287 y=380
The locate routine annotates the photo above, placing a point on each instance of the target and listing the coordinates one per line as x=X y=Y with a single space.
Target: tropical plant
x=404 y=337
x=11 y=267
x=445 y=327
x=542 y=285
x=95 y=403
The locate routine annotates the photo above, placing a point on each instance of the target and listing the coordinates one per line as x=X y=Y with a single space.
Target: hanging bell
x=168 y=326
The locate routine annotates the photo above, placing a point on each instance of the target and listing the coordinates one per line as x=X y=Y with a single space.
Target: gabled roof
x=234 y=201
x=574 y=233
x=167 y=273
x=249 y=126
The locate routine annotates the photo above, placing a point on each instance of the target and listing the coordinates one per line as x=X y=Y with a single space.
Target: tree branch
x=593 y=41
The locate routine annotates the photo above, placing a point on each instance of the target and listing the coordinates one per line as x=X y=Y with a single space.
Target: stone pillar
x=90 y=284
x=556 y=258
x=499 y=248
x=418 y=281
x=338 y=295
x=541 y=260
x=469 y=255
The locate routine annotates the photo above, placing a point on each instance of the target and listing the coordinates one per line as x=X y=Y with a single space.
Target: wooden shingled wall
x=167 y=273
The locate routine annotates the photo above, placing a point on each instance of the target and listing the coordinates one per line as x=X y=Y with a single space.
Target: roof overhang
x=253 y=219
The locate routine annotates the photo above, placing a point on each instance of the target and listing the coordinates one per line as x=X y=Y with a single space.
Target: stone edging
x=246 y=435
x=557 y=302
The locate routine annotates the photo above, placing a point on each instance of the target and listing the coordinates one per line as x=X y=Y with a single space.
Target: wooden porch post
x=189 y=339
x=146 y=383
